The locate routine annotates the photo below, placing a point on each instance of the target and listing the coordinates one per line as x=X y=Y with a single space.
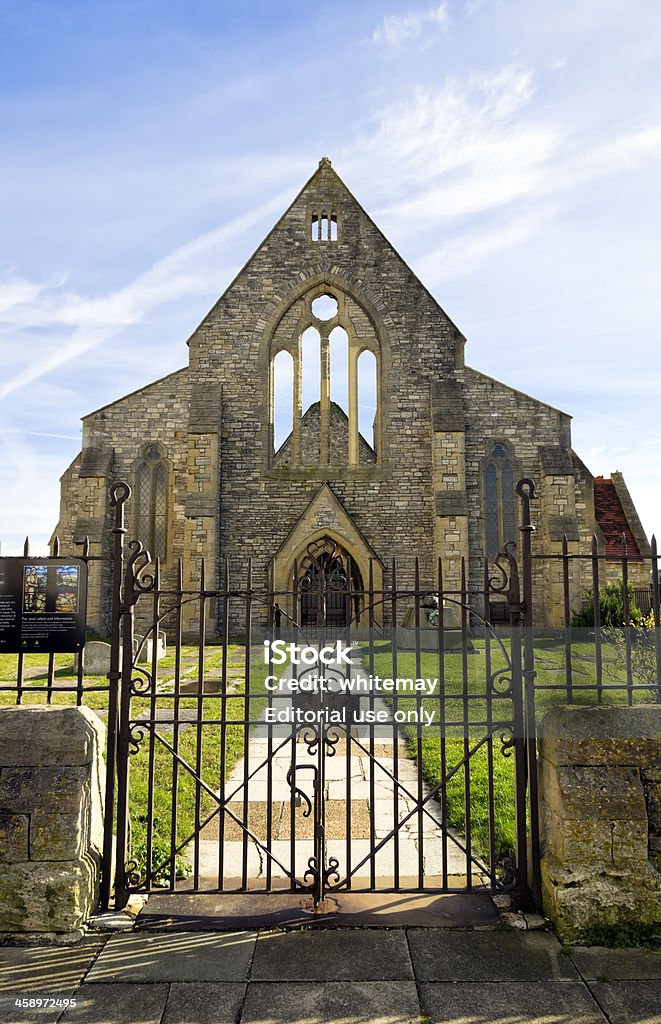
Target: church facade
x=247 y=453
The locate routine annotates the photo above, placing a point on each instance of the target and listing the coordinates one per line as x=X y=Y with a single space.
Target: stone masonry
x=600 y=809
x=51 y=818
x=418 y=490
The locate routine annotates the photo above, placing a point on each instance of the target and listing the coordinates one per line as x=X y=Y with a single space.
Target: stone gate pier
x=51 y=819
x=600 y=810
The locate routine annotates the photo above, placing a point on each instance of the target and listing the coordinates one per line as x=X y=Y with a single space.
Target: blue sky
x=511 y=151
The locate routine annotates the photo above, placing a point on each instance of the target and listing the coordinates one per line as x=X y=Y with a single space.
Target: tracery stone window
x=499 y=501
x=325 y=366
x=151 y=484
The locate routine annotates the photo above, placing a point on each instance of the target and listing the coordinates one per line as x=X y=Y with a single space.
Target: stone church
x=326 y=407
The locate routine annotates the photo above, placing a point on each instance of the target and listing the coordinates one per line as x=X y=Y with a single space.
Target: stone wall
x=600 y=810
x=51 y=819
x=338 y=436
x=113 y=440
x=419 y=492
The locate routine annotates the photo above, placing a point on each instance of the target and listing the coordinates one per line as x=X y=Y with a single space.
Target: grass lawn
x=199 y=746
x=425 y=742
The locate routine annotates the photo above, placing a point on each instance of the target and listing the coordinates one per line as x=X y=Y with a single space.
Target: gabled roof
x=612 y=519
x=325 y=168
x=339 y=429
x=343 y=527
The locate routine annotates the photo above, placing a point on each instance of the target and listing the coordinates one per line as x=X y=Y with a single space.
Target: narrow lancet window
x=283 y=398
x=367 y=398
x=500 y=508
x=152 y=502
x=323 y=227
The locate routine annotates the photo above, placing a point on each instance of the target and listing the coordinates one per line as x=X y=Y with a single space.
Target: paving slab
x=492 y=956
x=24 y=968
x=52 y=972
x=594 y=962
x=204 y=956
x=549 y=1002
x=204 y=1003
x=381 y=1002
x=117 y=1004
x=246 y=911
x=629 y=1002
x=328 y=955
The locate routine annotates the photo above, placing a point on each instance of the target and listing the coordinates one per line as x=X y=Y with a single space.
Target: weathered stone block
x=586 y=840
x=200 y=506
x=574 y=900
x=205 y=410
x=48 y=735
x=23 y=789
x=96 y=462
x=599 y=861
x=39 y=897
x=594 y=792
x=447 y=406
x=451 y=503
x=14 y=837
x=652 y=786
x=57 y=836
x=556 y=461
x=559 y=526
x=602 y=735
x=51 y=817
x=88 y=528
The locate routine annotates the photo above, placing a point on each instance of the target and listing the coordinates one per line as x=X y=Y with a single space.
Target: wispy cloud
x=474 y=145
x=18 y=291
x=38 y=433
x=469 y=140
x=85 y=322
x=477 y=146
x=462 y=254
x=397 y=29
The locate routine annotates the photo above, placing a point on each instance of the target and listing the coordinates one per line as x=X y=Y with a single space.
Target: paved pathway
x=372 y=806
x=384 y=976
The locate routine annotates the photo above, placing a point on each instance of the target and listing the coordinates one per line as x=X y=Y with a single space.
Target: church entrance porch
x=330 y=585
x=297 y=760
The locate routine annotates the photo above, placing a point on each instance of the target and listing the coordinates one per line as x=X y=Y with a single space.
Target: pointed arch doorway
x=326 y=545
x=329 y=584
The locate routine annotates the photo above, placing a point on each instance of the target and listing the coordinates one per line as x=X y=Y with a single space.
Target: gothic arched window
x=499 y=502
x=331 y=415
x=151 y=484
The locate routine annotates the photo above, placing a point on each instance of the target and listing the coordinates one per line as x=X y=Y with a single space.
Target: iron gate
x=238 y=771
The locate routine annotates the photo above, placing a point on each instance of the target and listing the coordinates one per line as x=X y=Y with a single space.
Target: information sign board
x=43 y=605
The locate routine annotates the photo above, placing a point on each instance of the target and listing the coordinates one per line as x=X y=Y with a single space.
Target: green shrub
x=611 y=607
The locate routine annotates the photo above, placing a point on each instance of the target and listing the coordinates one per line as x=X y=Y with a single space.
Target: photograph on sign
x=66 y=588
x=35 y=579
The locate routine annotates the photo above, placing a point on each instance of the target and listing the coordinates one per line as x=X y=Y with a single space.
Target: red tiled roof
x=612 y=520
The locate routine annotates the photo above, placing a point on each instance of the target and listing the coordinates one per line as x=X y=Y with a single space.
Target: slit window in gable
x=324 y=227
